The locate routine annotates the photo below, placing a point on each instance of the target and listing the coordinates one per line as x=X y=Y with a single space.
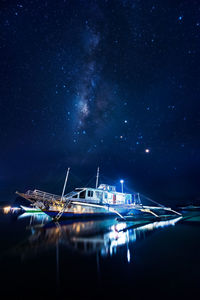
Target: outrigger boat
x=190 y=208
x=33 y=209
x=101 y=201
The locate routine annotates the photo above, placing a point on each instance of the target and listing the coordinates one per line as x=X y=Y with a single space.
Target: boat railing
x=43 y=196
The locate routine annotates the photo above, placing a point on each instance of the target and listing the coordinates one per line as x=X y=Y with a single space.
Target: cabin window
x=82 y=194
x=75 y=196
x=90 y=193
x=99 y=195
x=128 y=199
x=110 y=195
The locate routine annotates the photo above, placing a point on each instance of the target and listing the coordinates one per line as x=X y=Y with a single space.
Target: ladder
x=68 y=201
x=59 y=215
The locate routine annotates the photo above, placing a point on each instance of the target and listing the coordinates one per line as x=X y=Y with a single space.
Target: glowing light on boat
x=6 y=209
x=122 y=183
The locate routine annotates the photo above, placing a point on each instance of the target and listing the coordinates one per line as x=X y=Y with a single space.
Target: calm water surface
x=90 y=258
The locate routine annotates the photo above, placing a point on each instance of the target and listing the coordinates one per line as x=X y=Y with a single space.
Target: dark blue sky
x=88 y=83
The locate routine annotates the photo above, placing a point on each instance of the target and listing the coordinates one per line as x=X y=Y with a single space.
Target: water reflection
x=102 y=237
x=35 y=218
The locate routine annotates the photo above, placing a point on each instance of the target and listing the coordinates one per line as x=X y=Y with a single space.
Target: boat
x=190 y=208
x=29 y=209
x=102 y=201
x=83 y=202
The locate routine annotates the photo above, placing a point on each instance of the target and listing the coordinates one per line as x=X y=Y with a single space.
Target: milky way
x=89 y=77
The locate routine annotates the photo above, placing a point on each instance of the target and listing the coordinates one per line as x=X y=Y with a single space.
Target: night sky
x=113 y=83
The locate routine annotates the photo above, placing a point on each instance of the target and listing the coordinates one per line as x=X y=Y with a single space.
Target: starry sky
x=109 y=83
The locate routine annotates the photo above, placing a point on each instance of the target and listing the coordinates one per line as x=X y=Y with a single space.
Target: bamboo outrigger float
x=101 y=201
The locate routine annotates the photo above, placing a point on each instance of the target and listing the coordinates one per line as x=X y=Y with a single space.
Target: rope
x=82 y=184
x=90 y=181
x=152 y=200
x=76 y=177
x=133 y=192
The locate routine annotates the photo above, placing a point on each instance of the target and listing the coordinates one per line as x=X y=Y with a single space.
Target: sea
x=102 y=258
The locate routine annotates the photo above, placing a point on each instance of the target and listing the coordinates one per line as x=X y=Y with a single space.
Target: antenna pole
x=97 y=180
x=66 y=178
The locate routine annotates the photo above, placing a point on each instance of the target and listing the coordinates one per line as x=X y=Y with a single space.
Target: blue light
x=121 y=181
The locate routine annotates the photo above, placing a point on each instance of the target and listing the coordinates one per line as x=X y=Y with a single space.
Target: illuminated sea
x=103 y=258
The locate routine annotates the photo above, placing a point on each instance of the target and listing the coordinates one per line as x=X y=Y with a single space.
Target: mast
x=97 y=178
x=66 y=178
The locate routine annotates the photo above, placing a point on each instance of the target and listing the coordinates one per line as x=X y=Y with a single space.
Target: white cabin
x=104 y=194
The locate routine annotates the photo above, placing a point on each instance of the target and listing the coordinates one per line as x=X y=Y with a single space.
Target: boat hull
x=83 y=210
x=69 y=215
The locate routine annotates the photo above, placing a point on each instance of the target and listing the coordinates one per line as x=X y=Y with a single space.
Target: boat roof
x=101 y=187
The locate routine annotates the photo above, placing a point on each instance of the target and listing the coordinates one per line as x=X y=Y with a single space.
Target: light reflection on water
x=102 y=237
x=103 y=255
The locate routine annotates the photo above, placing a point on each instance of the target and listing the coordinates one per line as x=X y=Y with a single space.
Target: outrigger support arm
x=145 y=209
x=116 y=212
x=148 y=211
x=179 y=214
x=113 y=210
